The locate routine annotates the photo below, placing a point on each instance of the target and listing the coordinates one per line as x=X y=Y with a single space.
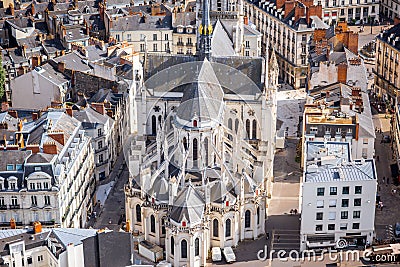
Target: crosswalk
x=286 y=240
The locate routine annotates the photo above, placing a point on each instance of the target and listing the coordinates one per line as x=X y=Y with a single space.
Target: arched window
x=248 y=128
x=215 y=228
x=171 y=120
x=206 y=148
x=230 y=124
x=254 y=130
x=197 y=247
x=163 y=226
x=153 y=125
x=258 y=215
x=183 y=249
x=236 y=125
x=152 y=224
x=159 y=118
x=172 y=245
x=247 y=219
x=195 y=149
x=138 y=213
x=185 y=144
x=195 y=123
x=228 y=228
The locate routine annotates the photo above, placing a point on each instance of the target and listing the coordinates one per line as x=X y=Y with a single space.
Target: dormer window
x=32 y=186
x=189 y=30
x=37 y=169
x=10 y=167
x=180 y=30
x=183 y=224
x=18 y=167
x=195 y=123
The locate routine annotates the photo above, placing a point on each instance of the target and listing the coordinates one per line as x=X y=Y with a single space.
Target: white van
x=229 y=255
x=216 y=254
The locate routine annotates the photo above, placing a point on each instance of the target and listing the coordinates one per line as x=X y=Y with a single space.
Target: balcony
x=14 y=207
x=101 y=149
x=180 y=44
x=3 y=207
x=102 y=163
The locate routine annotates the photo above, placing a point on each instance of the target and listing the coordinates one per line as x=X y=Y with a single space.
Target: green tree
x=2 y=78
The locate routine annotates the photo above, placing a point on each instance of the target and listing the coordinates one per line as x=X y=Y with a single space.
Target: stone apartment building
x=387 y=66
x=288 y=27
x=47 y=175
x=390 y=9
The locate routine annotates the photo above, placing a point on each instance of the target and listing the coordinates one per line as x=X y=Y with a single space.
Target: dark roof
x=391 y=36
x=12 y=157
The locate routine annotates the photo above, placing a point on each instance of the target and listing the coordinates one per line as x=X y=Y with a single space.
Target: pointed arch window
x=254 y=129
x=185 y=144
x=195 y=149
x=138 y=213
x=215 y=228
x=206 y=148
x=230 y=124
x=258 y=215
x=183 y=249
x=247 y=219
x=153 y=125
x=248 y=128
x=172 y=245
x=228 y=228
x=197 y=247
x=236 y=125
x=152 y=224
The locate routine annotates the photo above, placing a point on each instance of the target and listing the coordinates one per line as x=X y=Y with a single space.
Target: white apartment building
x=390 y=8
x=100 y=127
x=288 y=33
x=337 y=198
x=349 y=10
x=52 y=180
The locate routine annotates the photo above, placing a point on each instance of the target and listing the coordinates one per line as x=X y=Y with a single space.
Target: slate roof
x=90 y=117
x=390 y=36
x=203 y=98
x=12 y=157
x=72 y=235
x=221 y=44
x=189 y=205
x=73 y=62
x=40 y=158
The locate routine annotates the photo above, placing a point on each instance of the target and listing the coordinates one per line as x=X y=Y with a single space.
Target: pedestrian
x=277 y=238
x=267 y=236
x=379 y=188
x=295 y=211
x=384 y=179
x=381 y=207
x=387 y=179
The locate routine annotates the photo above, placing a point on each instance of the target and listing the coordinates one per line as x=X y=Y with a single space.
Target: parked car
x=229 y=255
x=397 y=230
x=216 y=254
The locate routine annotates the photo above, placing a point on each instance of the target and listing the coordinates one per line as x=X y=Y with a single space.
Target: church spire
x=205 y=31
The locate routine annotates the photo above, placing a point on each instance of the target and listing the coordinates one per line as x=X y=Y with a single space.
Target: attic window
x=183 y=224
x=195 y=123
x=10 y=167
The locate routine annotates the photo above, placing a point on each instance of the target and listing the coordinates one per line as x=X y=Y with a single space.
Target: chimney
x=35 y=116
x=280 y=3
x=20 y=125
x=11 y=9
x=342 y=73
x=313 y=11
x=13 y=224
x=300 y=11
x=50 y=148
x=58 y=136
x=155 y=10
x=61 y=66
x=13 y=113
x=35 y=61
x=99 y=107
x=37 y=227
x=34 y=148
x=128 y=226
x=12 y=147
x=56 y=104
x=289 y=5
x=23 y=50
x=4 y=126
x=246 y=20
x=69 y=111
x=396 y=20
x=4 y=106
x=110 y=113
x=33 y=8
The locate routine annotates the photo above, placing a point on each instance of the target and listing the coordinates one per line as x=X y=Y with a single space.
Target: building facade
x=48 y=174
x=337 y=197
x=387 y=66
x=390 y=9
x=288 y=27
